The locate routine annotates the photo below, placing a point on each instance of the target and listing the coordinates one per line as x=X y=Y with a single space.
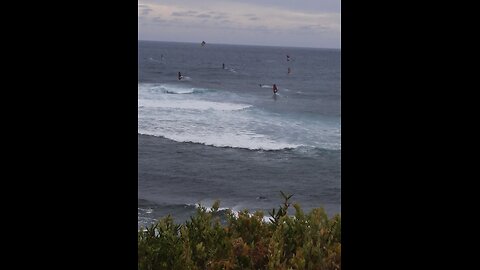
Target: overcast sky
x=297 y=23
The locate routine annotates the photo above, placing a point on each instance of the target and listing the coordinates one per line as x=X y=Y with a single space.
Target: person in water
x=223 y=65
x=180 y=76
x=275 y=89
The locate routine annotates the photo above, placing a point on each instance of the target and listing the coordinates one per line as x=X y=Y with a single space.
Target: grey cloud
x=180 y=14
x=146 y=11
x=313 y=27
x=251 y=17
x=217 y=12
x=159 y=19
x=184 y=13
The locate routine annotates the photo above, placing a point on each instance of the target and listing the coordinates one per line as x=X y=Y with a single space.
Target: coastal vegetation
x=212 y=240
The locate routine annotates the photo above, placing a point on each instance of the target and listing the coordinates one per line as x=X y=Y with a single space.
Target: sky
x=288 y=23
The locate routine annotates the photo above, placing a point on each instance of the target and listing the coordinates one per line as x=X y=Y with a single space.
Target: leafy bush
x=301 y=241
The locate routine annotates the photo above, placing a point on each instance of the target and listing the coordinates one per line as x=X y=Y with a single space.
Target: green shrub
x=301 y=241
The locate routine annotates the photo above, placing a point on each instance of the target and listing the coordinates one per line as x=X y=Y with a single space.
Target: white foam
x=265 y=219
x=191 y=105
x=145 y=210
x=186 y=91
x=153 y=59
x=170 y=89
x=252 y=142
x=235 y=212
x=209 y=119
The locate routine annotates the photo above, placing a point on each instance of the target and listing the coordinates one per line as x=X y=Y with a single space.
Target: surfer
x=275 y=89
x=289 y=70
x=288 y=57
x=223 y=65
x=180 y=76
x=203 y=43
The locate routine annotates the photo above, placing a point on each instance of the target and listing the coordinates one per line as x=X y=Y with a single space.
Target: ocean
x=221 y=134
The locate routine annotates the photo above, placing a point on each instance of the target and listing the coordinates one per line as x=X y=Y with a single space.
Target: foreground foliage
x=301 y=241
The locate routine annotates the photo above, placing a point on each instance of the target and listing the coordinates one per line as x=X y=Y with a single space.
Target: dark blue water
x=220 y=133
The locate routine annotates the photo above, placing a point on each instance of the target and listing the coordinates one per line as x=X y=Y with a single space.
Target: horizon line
x=300 y=47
